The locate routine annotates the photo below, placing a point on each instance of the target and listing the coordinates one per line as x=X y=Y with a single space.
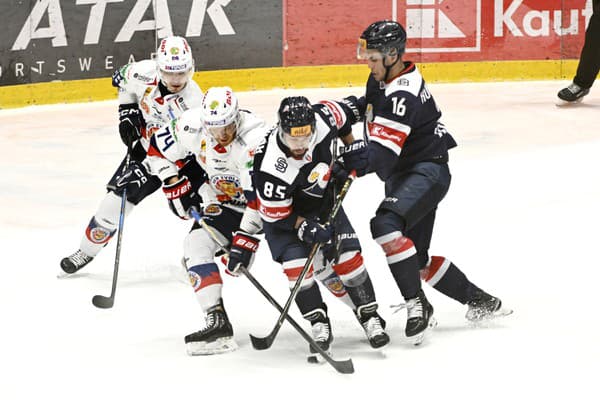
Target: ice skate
x=572 y=94
x=419 y=318
x=75 y=262
x=321 y=333
x=215 y=338
x=373 y=325
x=485 y=307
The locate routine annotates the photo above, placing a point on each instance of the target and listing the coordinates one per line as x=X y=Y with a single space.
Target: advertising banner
x=439 y=30
x=46 y=40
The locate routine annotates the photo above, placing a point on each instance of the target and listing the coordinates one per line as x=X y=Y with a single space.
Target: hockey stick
x=261 y=343
x=103 y=301
x=343 y=366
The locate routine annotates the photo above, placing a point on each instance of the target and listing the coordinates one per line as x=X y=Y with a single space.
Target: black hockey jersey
x=402 y=124
x=287 y=187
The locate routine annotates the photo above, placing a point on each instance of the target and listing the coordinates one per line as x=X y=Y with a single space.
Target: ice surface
x=521 y=219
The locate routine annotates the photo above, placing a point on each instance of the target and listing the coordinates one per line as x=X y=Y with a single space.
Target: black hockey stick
x=344 y=366
x=103 y=301
x=262 y=343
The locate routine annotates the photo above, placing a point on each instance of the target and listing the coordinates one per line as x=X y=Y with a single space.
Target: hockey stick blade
x=343 y=366
x=103 y=301
x=263 y=343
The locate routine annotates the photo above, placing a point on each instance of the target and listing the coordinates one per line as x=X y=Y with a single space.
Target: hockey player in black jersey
x=292 y=179
x=408 y=150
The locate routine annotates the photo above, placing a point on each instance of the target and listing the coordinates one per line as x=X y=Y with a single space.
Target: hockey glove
x=311 y=231
x=243 y=249
x=356 y=157
x=131 y=122
x=133 y=178
x=339 y=173
x=181 y=197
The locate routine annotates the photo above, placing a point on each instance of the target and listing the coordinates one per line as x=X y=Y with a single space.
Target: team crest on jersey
x=335 y=285
x=229 y=185
x=194 y=280
x=281 y=164
x=318 y=179
x=97 y=234
x=212 y=210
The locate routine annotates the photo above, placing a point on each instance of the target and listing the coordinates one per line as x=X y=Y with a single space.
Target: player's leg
x=409 y=197
x=104 y=222
x=445 y=277
x=589 y=62
x=199 y=252
x=343 y=262
x=292 y=254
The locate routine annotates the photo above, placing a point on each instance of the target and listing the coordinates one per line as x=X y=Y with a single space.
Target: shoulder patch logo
x=281 y=164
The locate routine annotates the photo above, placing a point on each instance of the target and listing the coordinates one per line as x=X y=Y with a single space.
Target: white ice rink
x=521 y=220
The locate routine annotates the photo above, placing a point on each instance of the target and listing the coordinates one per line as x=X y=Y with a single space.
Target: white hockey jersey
x=139 y=84
x=228 y=168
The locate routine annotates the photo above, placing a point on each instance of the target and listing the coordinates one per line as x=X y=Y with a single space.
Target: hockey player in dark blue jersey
x=408 y=150
x=292 y=179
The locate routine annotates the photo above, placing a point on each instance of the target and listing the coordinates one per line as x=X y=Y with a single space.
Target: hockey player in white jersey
x=222 y=138
x=292 y=170
x=151 y=93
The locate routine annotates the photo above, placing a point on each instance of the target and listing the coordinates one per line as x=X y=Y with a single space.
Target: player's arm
x=131 y=120
x=166 y=161
x=390 y=128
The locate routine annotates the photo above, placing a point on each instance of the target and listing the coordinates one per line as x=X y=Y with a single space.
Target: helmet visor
x=362 y=53
x=298 y=137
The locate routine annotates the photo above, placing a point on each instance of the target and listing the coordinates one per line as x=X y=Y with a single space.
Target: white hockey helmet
x=175 y=62
x=221 y=113
x=188 y=130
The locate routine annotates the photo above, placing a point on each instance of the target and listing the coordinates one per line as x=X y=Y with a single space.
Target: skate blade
x=501 y=313
x=419 y=338
x=564 y=103
x=64 y=275
x=221 y=345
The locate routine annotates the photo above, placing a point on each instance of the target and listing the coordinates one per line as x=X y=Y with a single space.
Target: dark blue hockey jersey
x=402 y=124
x=287 y=187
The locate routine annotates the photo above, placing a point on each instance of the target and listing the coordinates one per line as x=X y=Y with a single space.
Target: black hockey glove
x=310 y=231
x=356 y=157
x=181 y=197
x=243 y=249
x=133 y=178
x=339 y=173
x=117 y=78
x=355 y=108
x=131 y=122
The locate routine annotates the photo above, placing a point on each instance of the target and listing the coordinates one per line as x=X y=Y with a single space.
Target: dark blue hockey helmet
x=296 y=122
x=387 y=37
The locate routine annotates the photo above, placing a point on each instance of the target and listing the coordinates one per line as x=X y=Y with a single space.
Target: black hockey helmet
x=388 y=37
x=296 y=122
